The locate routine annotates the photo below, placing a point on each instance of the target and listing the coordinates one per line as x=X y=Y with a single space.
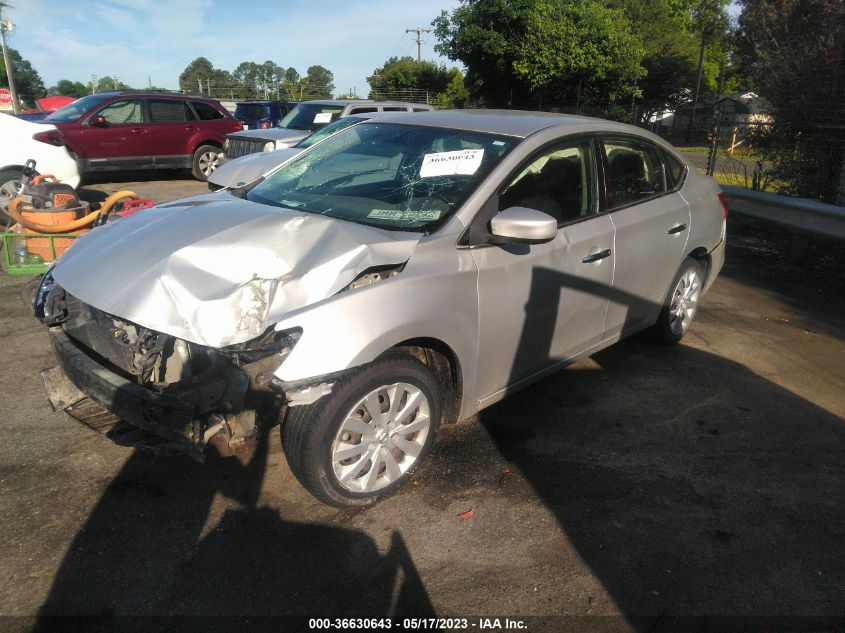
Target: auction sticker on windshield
x=323 y=117
x=463 y=162
x=398 y=215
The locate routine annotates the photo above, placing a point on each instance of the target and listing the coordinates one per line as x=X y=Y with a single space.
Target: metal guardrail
x=800 y=213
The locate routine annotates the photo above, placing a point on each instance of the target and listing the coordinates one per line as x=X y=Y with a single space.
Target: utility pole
x=94 y=79
x=419 y=31
x=7 y=26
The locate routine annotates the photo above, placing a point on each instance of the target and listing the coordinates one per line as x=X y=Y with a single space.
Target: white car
x=21 y=141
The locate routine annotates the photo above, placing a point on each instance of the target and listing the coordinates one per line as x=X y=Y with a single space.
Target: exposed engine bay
x=186 y=395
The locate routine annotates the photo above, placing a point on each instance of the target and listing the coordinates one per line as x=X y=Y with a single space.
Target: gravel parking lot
x=644 y=484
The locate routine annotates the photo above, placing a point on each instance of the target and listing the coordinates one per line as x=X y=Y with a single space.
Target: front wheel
x=205 y=161
x=10 y=184
x=366 y=438
x=681 y=304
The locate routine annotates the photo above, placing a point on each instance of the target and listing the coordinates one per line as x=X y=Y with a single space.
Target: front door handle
x=595 y=257
x=677 y=229
x=138 y=130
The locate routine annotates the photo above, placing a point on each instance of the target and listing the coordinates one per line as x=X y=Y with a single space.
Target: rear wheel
x=366 y=438
x=10 y=184
x=205 y=161
x=682 y=303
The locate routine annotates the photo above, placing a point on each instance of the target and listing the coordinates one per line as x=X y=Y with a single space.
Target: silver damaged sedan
x=400 y=275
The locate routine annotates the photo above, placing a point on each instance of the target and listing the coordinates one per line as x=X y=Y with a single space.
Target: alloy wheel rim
x=8 y=190
x=684 y=302
x=208 y=162
x=381 y=437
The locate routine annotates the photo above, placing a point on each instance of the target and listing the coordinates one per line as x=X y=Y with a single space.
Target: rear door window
x=634 y=172
x=169 y=111
x=363 y=110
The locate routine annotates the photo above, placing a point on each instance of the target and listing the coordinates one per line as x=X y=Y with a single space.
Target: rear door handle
x=594 y=257
x=192 y=128
x=677 y=229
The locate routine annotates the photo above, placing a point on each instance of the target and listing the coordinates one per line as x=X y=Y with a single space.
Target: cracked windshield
x=391 y=176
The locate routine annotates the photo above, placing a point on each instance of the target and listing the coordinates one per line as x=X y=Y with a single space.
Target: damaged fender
x=218 y=271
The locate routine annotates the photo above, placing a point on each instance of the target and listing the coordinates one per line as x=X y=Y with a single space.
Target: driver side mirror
x=98 y=120
x=520 y=225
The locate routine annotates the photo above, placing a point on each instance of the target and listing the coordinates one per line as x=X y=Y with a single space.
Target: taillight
x=723 y=200
x=52 y=137
x=264 y=125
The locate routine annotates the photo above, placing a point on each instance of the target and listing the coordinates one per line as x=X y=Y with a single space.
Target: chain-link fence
x=741 y=141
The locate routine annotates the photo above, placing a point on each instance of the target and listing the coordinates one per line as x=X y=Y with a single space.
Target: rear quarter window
x=206 y=112
x=675 y=171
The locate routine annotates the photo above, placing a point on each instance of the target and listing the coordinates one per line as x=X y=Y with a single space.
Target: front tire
x=10 y=183
x=366 y=438
x=681 y=303
x=204 y=162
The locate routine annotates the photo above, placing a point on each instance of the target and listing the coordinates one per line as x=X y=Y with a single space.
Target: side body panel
x=647 y=257
x=541 y=303
x=433 y=297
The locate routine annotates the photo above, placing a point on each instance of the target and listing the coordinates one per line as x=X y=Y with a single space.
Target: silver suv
x=303 y=120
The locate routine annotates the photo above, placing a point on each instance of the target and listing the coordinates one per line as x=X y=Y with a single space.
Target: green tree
x=795 y=51
x=572 y=50
x=68 y=88
x=485 y=36
x=319 y=82
x=455 y=95
x=198 y=70
x=28 y=83
x=107 y=84
x=406 y=77
x=292 y=85
x=244 y=80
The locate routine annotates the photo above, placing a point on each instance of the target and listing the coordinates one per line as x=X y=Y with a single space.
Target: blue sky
x=137 y=39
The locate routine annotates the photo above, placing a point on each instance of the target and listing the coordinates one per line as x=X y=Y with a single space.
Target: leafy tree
x=68 y=88
x=455 y=95
x=107 y=84
x=401 y=75
x=28 y=83
x=795 y=50
x=485 y=36
x=572 y=49
x=406 y=78
x=292 y=86
x=319 y=82
x=199 y=69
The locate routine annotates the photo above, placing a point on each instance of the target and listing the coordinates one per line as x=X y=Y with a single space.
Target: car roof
x=341 y=102
x=517 y=123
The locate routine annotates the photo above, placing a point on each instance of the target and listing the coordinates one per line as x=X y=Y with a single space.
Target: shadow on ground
x=689 y=485
x=146 y=550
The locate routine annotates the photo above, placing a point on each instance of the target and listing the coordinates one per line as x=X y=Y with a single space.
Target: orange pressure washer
x=46 y=207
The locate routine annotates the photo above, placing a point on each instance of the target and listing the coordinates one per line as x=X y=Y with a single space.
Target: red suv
x=142 y=130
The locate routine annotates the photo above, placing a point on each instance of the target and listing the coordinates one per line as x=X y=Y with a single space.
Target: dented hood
x=221 y=271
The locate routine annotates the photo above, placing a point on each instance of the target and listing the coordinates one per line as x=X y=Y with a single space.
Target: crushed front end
x=151 y=390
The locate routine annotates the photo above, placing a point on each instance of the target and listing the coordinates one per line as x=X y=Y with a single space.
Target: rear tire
x=204 y=162
x=366 y=438
x=681 y=303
